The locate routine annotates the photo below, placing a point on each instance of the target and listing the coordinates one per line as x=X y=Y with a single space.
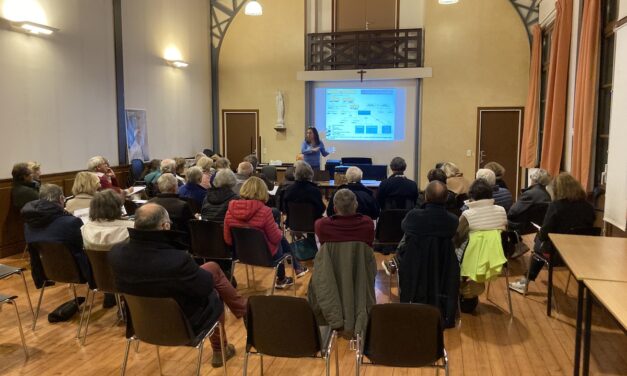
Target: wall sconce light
x=177 y=63
x=253 y=8
x=29 y=27
x=448 y=2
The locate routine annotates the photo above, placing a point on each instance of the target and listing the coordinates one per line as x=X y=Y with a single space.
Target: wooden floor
x=486 y=343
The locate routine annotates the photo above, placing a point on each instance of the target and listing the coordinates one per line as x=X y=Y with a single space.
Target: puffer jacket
x=254 y=214
x=216 y=203
x=341 y=292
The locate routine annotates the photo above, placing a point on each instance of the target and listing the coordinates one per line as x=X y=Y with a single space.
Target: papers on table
x=140 y=202
x=83 y=214
x=136 y=189
x=273 y=191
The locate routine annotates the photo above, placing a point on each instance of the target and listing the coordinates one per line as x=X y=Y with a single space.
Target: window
x=606 y=71
x=544 y=76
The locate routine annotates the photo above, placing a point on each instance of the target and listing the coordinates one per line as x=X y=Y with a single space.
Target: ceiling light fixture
x=448 y=2
x=253 y=8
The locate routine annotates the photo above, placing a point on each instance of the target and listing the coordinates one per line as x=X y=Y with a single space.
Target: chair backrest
x=537 y=212
x=398 y=203
x=130 y=207
x=321 y=175
x=292 y=317
x=58 y=263
x=590 y=231
x=136 y=170
x=101 y=269
x=404 y=335
x=389 y=226
x=356 y=160
x=301 y=216
x=269 y=172
x=250 y=247
x=207 y=240
x=159 y=321
x=193 y=205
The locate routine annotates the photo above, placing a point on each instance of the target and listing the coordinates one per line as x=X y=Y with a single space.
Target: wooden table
x=330 y=185
x=613 y=296
x=589 y=258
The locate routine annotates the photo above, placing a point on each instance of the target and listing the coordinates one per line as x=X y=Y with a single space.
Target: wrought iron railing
x=365 y=49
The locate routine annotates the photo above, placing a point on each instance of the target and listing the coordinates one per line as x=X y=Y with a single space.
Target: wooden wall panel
x=12 y=226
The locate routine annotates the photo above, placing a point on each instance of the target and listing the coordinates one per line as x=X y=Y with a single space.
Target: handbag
x=65 y=311
x=304 y=249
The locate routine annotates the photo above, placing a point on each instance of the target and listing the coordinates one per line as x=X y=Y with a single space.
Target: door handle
x=481 y=155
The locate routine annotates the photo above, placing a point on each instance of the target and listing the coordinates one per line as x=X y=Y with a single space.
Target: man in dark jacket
x=303 y=190
x=47 y=221
x=397 y=191
x=151 y=265
x=179 y=210
x=367 y=204
x=427 y=264
x=24 y=189
x=216 y=202
x=531 y=205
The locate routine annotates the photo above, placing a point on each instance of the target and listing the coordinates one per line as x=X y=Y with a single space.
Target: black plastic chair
x=135 y=171
x=389 y=233
x=161 y=322
x=285 y=326
x=321 y=175
x=269 y=172
x=207 y=242
x=105 y=280
x=301 y=217
x=403 y=335
x=59 y=266
x=251 y=249
x=130 y=207
x=11 y=300
x=7 y=271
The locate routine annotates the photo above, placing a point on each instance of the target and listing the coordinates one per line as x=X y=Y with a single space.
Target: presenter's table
x=589 y=258
x=328 y=186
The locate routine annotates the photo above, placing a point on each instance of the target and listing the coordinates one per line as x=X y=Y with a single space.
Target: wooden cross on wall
x=361 y=73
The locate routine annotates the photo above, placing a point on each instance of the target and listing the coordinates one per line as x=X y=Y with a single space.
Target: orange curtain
x=557 y=85
x=586 y=90
x=529 y=142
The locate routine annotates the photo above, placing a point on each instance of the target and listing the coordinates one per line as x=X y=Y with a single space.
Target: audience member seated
x=151 y=170
x=455 y=180
x=47 y=221
x=502 y=196
x=435 y=174
x=216 y=202
x=206 y=165
x=86 y=184
x=251 y=211
x=427 y=265
x=252 y=159
x=148 y=265
x=568 y=211
x=219 y=163
x=346 y=224
x=397 y=191
x=192 y=189
x=303 y=190
x=531 y=197
x=179 y=210
x=288 y=180
x=179 y=169
x=367 y=203
x=244 y=171
x=23 y=189
x=482 y=215
x=499 y=172
x=100 y=166
x=35 y=167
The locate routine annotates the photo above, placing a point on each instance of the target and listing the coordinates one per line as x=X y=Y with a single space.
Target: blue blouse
x=312 y=156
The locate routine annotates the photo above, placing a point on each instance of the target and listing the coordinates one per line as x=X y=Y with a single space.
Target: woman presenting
x=312 y=148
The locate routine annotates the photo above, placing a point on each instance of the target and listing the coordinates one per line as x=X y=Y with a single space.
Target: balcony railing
x=365 y=49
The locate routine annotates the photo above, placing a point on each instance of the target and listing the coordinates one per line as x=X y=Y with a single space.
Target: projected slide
x=360 y=114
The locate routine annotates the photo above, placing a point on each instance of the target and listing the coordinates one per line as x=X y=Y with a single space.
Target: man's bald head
x=436 y=192
x=150 y=217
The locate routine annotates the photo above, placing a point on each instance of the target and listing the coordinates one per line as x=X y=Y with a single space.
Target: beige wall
x=57 y=95
x=177 y=101
x=480 y=58
x=259 y=56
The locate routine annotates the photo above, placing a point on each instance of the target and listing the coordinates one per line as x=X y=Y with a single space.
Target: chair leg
x=570 y=274
x=232 y=271
x=91 y=305
x=246 y=355
x=509 y=294
x=254 y=282
x=159 y=361
x=222 y=347
x=261 y=364
x=293 y=272
x=19 y=325
x=73 y=287
x=136 y=346
x=85 y=304
x=200 y=348
x=30 y=305
x=25 y=252
x=247 y=278
x=41 y=295
x=527 y=276
x=276 y=270
x=125 y=360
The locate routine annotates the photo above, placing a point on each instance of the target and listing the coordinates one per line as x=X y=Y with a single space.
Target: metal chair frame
x=11 y=300
x=7 y=271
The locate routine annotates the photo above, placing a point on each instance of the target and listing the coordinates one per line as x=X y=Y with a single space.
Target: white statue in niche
x=280 y=110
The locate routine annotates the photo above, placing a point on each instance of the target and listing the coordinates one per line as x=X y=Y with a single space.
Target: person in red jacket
x=346 y=225
x=251 y=211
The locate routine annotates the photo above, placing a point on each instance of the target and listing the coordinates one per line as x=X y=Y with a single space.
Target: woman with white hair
x=100 y=166
x=455 y=180
x=534 y=196
x=206 y=165
x=303 y=191
x=367 y=204
x=192 y=189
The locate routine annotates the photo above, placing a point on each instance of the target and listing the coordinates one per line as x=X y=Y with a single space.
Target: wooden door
x=498 y=140
x=240 y=132
x=359 y=15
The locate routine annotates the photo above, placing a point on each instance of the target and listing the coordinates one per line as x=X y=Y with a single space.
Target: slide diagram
x=360 y=114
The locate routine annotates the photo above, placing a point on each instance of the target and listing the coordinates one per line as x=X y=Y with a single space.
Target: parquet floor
x=486 y=343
